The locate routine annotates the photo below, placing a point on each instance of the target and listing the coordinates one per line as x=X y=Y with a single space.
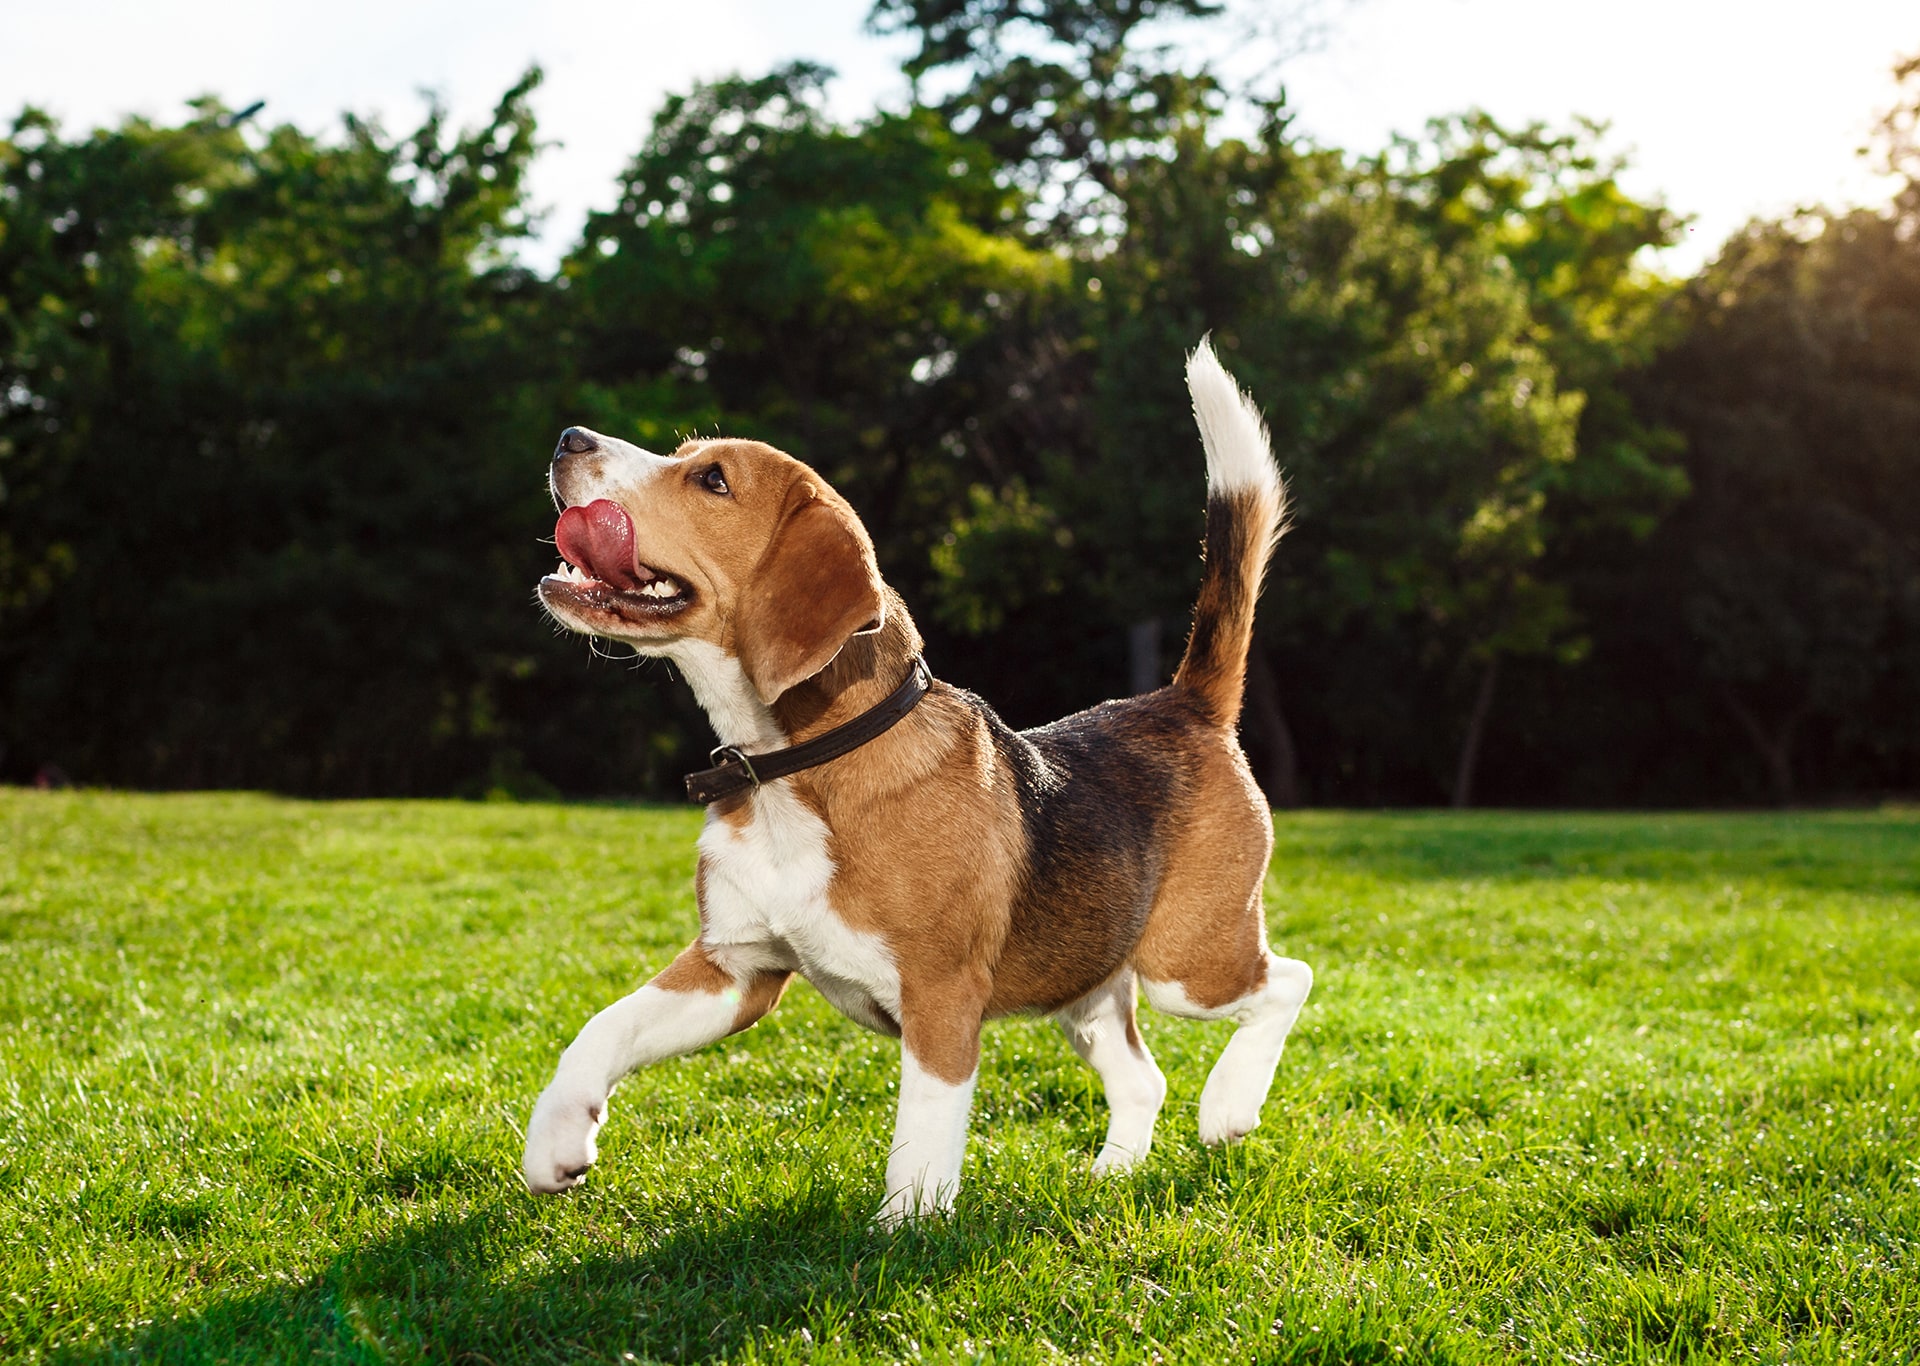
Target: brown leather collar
x=741 y=772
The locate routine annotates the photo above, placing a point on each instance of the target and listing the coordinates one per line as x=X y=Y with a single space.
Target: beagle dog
x=946 y=869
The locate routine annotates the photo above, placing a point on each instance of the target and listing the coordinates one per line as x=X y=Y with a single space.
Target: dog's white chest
x=765 y=896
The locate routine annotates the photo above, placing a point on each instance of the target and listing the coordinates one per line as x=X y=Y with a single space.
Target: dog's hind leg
x=1102 y=1030
x=1238 y=1084
x=1204 y=955
x=695 y=1001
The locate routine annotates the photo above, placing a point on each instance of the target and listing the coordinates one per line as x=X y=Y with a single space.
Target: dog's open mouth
x=600 y=568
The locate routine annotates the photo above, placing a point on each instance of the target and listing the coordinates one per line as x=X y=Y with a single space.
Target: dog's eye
x=713 y=480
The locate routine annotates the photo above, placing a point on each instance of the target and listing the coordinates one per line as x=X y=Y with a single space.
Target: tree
x=1799 y=552
x=1794 y=566
x=1059 y=92
x=267 y=448
x=845 y=293
x=1547 y=209
x=1429 y=329
x=274 y=406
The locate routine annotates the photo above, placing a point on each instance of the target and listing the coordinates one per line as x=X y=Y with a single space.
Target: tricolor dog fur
x=951 y=870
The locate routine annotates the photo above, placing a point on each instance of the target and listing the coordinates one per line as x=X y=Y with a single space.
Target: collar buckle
x=733 y=754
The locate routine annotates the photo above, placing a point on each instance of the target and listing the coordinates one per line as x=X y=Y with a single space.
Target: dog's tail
x=1246 y=512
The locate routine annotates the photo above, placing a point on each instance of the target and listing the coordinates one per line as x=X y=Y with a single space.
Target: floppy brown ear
x=816 y=587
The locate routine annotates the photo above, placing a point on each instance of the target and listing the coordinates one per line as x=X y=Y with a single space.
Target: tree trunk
x=1280 y=775
x=1776 y=751
x=1476 y=732
x=1143 y=656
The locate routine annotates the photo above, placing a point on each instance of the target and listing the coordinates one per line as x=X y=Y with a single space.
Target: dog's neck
x=865 y=672
x=721 y=687
x=862 y=675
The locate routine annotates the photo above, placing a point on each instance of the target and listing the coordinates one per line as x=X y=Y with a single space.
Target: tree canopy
x=275 y=407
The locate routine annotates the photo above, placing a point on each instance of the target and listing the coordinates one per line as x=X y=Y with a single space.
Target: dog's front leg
x=939 y=1063
x=694 y=1002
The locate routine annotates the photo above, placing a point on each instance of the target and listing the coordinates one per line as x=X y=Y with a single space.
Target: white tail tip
x=1238 y=453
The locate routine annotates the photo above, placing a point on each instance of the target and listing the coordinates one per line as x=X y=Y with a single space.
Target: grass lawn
x=1569 y=1088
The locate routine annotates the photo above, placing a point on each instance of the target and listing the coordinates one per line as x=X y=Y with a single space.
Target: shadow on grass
x=467 y=1287
x=700 y=1284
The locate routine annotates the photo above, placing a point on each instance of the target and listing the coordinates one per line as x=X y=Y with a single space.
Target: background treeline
x=275 y=412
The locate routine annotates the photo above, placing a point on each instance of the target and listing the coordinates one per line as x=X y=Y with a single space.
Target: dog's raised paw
x=560 y=1144
x=1227 y=1124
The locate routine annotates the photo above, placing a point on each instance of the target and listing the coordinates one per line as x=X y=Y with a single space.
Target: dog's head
x=732 y=543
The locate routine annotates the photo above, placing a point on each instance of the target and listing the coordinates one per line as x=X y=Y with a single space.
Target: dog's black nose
x=575 y=441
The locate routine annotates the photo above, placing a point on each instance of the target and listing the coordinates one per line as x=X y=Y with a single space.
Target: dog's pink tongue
x=598 y=539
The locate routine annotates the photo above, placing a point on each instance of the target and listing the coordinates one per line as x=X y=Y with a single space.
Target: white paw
x=1226 y=1117
x=560 y=1144
x=1114 y=1159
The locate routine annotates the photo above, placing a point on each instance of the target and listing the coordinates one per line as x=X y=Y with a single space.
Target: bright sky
x=1727 y=108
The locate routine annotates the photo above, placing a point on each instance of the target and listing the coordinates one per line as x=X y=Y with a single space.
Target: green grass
x=1570 y=1088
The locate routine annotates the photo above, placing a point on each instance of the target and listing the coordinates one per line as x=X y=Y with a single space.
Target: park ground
x=1571 y=1087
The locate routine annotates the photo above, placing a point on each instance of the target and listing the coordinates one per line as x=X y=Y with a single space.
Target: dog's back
x=1146 y=837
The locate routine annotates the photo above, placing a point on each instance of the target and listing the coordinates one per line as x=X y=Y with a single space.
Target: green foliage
x=841 y=293
x=267 y=413
x=1002 y=554
x=1410 y=351
x=1797 y=562
x=1552 y=213
x=273 y=410
x=1438 y=334
x=1058 y=91
x=1569 y=1088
